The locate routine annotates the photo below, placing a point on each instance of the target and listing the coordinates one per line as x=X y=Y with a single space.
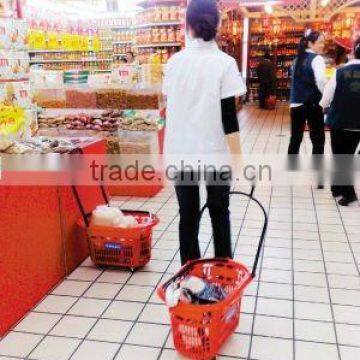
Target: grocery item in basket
x=105 y=215
x=127 y=222
x=193 y=290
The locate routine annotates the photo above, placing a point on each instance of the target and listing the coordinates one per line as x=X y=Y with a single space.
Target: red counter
x=40 y=242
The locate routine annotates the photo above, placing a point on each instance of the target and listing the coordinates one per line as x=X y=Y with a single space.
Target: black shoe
x=346 y=201
x=320 y=187
x=336 y=194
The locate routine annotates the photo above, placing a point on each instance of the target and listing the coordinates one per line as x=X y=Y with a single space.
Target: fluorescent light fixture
x=324 y=3
x=268 y=8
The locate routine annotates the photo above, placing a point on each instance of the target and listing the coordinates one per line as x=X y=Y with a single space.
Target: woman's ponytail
x=309 y=36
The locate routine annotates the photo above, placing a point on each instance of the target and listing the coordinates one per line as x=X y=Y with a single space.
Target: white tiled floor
x=305 y=305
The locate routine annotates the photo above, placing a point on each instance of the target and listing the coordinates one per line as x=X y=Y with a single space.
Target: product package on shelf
x=126 y=75
x=80 y=98
x=111 y=99
x=16 y=94
x=14 y=65
x=99 y=120
x=50 y=98
x=17 y=116
x=132 y=142
x=13 y=34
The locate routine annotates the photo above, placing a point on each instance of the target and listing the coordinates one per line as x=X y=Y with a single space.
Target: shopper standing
x=266 y=73
x=201 y=83
x=342 y=94
x=307 y=84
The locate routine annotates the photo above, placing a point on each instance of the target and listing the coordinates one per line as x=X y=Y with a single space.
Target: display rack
x=159 y=30
x=231 y=34
x=280 y=37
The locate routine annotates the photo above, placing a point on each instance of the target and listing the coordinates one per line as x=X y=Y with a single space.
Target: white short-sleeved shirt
x=196 y=79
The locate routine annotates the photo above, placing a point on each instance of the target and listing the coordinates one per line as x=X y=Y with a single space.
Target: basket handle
x=85 y=215
x=263 y=232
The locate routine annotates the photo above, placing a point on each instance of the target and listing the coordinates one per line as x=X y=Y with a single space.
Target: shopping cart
x=200 y=330
x=114 y=246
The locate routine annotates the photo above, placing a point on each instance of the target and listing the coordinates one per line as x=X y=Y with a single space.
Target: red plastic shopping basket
x=200 y=330
x=121 y=247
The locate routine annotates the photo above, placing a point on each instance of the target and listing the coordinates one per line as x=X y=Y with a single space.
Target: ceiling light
x=268 y=9
x=324 y=3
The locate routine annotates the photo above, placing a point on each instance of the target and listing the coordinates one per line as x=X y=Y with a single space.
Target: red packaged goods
x=80 y=99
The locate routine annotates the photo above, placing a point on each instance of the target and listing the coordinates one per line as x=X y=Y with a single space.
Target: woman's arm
x=329 y=92
x=319 y=67
x=231 y=124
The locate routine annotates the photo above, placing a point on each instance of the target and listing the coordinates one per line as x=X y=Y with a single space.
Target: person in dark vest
x=308 y=80
x=342 y=95
x=266 y=73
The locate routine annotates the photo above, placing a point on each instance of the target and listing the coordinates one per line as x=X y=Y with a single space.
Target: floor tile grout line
x=161 y=324
x=293 y=274
x=328 y=285
x=258 y=288
x=348 y=241
x=61 y=317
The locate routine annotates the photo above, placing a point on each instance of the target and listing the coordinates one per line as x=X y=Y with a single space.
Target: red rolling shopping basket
x=200 y=330
x=121 y=247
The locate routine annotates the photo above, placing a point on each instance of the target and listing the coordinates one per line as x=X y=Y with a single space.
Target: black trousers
x=189 y=203
x=344 y=142
x=311 y=114
x=265 y=90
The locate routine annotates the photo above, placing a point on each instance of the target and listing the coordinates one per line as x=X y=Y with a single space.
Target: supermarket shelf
x=120 y=54
x=122 y=42
x=120 y=27
x=68 y=61
x=173 y=44
x=154 y=24
x=151 y=3
x=13 y=80
x=66 y=51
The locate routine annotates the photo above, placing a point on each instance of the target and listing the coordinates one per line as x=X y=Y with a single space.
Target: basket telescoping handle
x=184 y=270
x=263 y=232
x=86 y=216
x=81 y=206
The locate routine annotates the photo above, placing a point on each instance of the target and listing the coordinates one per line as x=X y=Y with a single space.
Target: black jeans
x=188 y=196
x=344 y=142
x=265 y=90
x=311 y=114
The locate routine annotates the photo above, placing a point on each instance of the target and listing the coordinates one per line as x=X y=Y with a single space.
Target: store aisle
x=306 y=304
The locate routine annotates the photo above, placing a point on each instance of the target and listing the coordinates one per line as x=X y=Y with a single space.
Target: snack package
x=16 y=94
x=13 y=34
x=12 y=120
x=193 y=290
x=14 y=65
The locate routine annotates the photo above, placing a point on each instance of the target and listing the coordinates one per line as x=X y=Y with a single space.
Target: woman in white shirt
x=200 y=85
x=307 y=84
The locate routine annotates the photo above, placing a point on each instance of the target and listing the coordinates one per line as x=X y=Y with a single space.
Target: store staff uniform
x=306 y=92
x=342 y=95
x=200 y=83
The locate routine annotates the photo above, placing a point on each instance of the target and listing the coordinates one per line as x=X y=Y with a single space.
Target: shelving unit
x=280 y=37
x=158 y=45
